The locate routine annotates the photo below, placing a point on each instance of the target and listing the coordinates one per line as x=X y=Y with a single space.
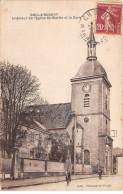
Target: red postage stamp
x=108 y=18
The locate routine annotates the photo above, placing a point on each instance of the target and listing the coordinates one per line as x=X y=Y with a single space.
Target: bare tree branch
x=18 y=89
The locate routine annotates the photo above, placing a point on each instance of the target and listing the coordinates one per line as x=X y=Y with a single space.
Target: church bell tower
x=90 y=101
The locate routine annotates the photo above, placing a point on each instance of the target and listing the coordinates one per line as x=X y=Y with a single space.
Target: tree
x=60 y=146
x=18 y=90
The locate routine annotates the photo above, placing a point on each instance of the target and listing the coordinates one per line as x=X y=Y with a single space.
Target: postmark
x=85 y=24
x=109 y=21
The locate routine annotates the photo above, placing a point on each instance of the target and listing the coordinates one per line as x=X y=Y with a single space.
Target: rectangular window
x=86 y=100
x=106 y=102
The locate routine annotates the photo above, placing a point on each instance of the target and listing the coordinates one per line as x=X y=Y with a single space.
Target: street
x=107 y=183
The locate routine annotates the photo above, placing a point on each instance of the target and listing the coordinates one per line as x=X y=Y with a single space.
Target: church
x=87 y=118
x=85 y=122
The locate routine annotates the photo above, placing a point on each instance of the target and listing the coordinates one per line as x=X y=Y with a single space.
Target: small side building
x=37 y=143
x=118 y=164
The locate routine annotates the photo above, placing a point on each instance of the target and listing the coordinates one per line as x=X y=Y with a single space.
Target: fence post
x=16 y=163
x=3 y=175
x=21 y=167
x=46 y=163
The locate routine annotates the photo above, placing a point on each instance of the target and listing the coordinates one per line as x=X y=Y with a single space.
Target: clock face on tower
x=86 y=88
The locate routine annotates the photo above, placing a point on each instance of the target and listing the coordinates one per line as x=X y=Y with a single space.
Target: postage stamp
x=108 y=18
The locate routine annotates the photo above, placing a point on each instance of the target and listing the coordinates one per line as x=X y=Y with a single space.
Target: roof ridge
x=48 y=104
x=55 y=103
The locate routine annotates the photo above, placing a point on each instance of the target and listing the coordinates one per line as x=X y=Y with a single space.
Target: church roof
x=91 y=68
x=51 y=116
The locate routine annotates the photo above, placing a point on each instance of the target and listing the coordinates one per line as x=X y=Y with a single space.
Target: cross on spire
x=91 y=45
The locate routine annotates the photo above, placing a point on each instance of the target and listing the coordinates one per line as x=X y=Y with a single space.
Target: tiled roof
x=30 y=124
x=51 y=116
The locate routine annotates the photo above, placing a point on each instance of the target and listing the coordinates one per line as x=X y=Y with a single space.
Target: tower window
x=86 y=95
x=106 y=102
x=106 y=126
x=86 y=100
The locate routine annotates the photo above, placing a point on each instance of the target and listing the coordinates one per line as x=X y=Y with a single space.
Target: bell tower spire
x=91 y=45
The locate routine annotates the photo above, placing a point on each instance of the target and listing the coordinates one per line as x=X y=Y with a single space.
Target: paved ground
x=107 y=183
x=7 y=183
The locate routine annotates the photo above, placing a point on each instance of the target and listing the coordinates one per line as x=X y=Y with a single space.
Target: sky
x=53 y=50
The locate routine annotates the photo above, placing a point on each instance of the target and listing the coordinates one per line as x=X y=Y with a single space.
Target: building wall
x=35 y=141
x=119 y=161
x=105 y=91
x=90 y=136
x=102 y=152
x=70 y=127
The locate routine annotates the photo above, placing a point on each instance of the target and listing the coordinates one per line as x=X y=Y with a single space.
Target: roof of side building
x=51 y=116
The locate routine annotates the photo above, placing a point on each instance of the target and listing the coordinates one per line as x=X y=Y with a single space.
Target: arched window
x=86 y=100
x=86 y=157
x=86 y=95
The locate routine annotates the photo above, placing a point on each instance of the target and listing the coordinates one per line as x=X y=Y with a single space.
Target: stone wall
x=35 y=168
x=5 y=165
x=55 y=167
x=33 y=165
x=78 y=168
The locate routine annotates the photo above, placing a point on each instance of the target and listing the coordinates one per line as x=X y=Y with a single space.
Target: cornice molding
x=98 y=113
x=92 y=77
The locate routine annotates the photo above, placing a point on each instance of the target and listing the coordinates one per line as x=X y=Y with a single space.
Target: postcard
x=61 y=71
